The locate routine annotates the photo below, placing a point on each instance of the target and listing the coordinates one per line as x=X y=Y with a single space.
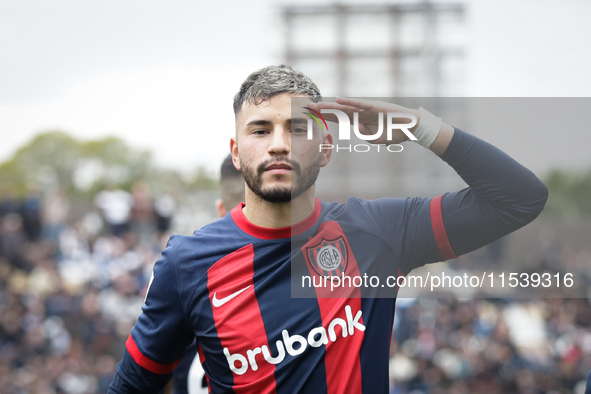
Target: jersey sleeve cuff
x=439 y=229
x=145 y=362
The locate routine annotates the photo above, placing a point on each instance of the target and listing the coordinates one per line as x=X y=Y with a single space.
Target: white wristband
x=428 y=128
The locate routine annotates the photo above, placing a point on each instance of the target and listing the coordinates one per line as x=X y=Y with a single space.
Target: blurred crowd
x=70 y=290
x=491 y=346
x=498 y=345
x=72 y=285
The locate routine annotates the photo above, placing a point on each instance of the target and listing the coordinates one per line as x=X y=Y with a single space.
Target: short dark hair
x=267 y=82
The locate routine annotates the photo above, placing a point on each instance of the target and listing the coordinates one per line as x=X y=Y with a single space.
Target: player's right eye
x=299 y=130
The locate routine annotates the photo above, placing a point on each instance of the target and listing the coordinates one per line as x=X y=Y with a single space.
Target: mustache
x=295 y=166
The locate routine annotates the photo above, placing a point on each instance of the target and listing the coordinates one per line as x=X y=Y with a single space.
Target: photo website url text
x=442 y=280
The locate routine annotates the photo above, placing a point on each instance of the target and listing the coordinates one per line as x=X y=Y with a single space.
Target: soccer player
x=189 y=376
x=229 y=284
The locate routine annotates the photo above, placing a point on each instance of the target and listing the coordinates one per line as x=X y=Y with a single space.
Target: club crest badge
x=328 y=257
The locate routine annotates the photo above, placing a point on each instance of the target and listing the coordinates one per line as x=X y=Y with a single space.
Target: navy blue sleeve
x=160 y=336
x=130 y=378
x=180 y=376
x=502 y=196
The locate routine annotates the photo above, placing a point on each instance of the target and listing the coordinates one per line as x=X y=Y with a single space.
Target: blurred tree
x=110 y=161
x=49 y=158
x=200 y=178
x=570 y=194
x=81 y=168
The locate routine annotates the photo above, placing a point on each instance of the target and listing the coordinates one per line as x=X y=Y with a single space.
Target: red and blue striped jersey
x=229 y=285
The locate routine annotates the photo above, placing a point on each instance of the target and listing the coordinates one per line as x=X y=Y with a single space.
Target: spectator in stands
x=31 y=214
x=116 y=205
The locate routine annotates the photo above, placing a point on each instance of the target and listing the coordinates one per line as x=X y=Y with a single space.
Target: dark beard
x=279 y=194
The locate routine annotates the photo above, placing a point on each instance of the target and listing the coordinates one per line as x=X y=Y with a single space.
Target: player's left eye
x=299 y=130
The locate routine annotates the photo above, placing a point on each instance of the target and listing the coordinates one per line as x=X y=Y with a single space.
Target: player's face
x=272 y=150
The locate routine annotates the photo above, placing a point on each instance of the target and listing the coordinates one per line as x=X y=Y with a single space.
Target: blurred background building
x=381 y=51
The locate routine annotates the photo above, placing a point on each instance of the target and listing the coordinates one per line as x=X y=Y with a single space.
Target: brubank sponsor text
x=318 y=336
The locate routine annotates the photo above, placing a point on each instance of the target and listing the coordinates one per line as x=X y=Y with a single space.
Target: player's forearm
x=494 y=175
x=120 y=386
x=443 y=139
x=503 y=195
x=130 y=378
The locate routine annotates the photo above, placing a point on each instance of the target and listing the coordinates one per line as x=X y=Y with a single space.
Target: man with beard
x=229 y=284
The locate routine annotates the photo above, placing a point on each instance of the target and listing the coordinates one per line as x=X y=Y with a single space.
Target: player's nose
x=280 y=141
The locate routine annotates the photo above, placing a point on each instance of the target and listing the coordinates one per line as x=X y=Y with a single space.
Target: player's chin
x=277 y=187
x=277 y=194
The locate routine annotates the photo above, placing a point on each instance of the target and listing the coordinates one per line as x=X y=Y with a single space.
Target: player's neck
x=273 y=215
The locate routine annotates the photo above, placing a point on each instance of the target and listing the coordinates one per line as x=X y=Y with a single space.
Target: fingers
x=347 y=105
x=371 y=105
x=325 y=105
x=331 y=117
x=366 y=108
x=357 y=103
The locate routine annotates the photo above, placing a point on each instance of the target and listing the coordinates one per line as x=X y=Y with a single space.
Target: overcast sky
x=162 y=74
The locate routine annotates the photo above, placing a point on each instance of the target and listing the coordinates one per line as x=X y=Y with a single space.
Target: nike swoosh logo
x=217 y=303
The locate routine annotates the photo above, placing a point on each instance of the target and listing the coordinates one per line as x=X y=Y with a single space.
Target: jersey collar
x=275 y=233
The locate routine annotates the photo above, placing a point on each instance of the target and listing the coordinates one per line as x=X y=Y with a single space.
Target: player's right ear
x=234 y=153
x=326 y=153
